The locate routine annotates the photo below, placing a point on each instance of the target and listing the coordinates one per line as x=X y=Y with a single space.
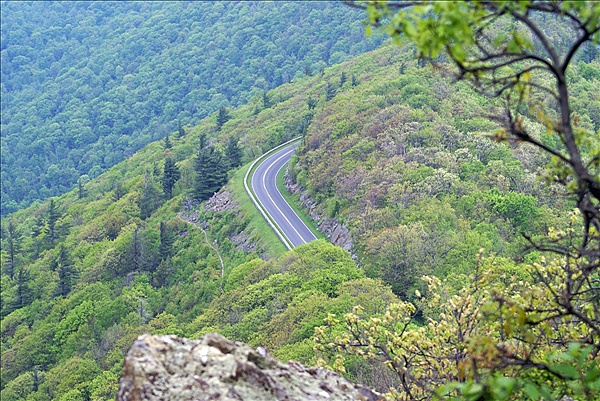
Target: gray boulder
x=215 y=368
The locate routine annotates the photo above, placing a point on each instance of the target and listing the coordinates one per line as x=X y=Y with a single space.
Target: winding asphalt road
x=264 y=185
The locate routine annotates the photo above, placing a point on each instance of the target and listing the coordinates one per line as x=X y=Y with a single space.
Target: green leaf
x=566 y=370
x=532 y=391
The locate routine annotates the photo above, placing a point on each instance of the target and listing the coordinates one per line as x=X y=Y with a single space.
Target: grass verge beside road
x=257 y=224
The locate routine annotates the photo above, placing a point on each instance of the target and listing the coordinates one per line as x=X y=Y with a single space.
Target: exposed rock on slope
x=337 y=233
x=218 y=203
x=215 y=368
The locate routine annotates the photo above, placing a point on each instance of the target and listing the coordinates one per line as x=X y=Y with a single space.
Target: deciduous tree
x=504 y=337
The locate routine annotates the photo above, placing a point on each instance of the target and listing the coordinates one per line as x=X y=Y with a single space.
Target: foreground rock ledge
x=215 y=368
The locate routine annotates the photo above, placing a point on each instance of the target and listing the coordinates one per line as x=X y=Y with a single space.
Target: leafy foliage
x=503 y=339
x=391 y=156
x=85 y=85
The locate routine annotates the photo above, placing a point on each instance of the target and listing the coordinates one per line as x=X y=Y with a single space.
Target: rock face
x=215 y=368
x=220 y=202
x=337 y=233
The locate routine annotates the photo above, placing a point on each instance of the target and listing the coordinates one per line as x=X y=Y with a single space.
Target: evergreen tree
x=266 y=99
x=307 y=69
x=167 y=238
x=354 y=80
x=343 y=79
x=211 y=172
x=149 y=199
x=66 y=272
x=329 y=92
x=311 y=103
x=155 y=169
x=167 y=142
x=13 y=237
x=163 y=272
x=233 y=152
x=24 y=293
x=180 y=130
x=118 y=191
x=81 y=192
x=52 y=216
x=136 y=250
x=222 y=117
x=201 y=141
x=171 y=174
x=37 y=235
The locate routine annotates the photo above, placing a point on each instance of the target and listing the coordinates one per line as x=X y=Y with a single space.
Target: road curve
x=264 y=185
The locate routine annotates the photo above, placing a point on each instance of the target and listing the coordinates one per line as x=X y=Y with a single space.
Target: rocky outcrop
x=215 y=368
x=218 y=203
x=337 y=233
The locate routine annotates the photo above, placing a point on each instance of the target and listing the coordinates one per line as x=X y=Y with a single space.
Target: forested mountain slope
x=405 y=159
x=388 y=148
x=86 y=84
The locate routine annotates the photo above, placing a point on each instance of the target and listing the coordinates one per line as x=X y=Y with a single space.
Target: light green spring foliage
x=501 y=336
x=504 y=337
x=405 y=161
x=123 y=288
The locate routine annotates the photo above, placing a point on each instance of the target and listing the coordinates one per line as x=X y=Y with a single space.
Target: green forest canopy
x=86 y=84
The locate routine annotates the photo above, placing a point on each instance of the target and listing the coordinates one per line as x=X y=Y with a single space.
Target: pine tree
x=66 y=272
x=307 y=69
x=233 y=152
x=180 y=130
x=329 y=92
x=354 y=80
x=222 y=117
x=24 y=293
x=171 y=174
x=149 y=199
x=266 y=99
x=52 y=216
x=81 y=192
x=136 y=250
x=13 y=237
x=167 y=142
x=118 y=191
x=37 y=235
x=167 y=239
x=343 y=79
x=211 y=173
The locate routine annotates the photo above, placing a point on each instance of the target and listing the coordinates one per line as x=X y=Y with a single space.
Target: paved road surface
x=264 y=185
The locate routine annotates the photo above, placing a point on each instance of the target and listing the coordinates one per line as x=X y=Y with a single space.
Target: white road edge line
x=273 y=201
x=255 y=201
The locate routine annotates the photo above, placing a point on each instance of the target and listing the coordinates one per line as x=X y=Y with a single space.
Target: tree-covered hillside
x=83 y=274
x=86 y=84
x=394 y=148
